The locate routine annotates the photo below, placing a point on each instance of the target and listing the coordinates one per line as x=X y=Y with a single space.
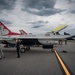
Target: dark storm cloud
x=7 y=4
x=40 y=7
x=72 y=11
x=45 y=12
x=38 y=24
x=71 y=1
x=39 y=4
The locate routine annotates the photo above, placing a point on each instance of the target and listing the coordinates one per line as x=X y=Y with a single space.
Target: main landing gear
x=23 y=49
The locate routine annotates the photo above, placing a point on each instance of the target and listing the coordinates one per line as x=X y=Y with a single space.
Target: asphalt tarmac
x=38 y=61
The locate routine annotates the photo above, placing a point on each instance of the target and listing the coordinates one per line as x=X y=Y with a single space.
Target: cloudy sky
x=38 y=16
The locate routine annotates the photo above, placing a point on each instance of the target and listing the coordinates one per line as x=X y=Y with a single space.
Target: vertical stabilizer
x=5 y=31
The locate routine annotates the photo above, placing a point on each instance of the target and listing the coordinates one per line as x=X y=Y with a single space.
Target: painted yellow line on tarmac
x=62 y=64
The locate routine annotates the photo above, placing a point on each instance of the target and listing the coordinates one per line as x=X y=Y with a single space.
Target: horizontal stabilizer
x=23 y=32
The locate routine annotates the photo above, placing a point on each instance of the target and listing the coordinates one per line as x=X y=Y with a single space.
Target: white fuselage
x=52 y=39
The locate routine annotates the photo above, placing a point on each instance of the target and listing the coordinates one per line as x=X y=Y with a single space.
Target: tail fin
x=23 y=32
x=5 y=31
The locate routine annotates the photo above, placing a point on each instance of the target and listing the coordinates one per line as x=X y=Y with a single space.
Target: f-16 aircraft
x=46 y=40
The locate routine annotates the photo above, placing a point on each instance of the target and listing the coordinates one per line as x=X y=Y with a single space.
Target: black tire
x=27 y=48
x=22 y=50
